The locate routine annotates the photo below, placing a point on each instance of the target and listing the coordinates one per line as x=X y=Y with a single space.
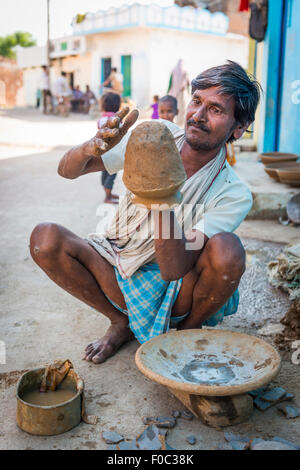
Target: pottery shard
x=290 y=412
x=152 y=161
x=111 y=437
x=151 y=439
x=187 y=415
x=160 y=421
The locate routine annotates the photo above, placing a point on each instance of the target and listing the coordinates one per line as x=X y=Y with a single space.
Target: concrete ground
x=40 y=323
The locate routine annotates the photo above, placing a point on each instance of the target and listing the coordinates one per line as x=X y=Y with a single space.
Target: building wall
x=79 y=65
x=32 y=77
x=280 y=110
x=11 y=80
x=238 y=21
x=135 y=42
x=198 y=51
x=152 y=64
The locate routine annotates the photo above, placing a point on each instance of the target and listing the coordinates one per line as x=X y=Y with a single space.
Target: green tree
x=19 y=38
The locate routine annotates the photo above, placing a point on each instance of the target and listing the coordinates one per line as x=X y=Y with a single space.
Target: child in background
x=110 y=105
x=154 y=106
x=167 y=108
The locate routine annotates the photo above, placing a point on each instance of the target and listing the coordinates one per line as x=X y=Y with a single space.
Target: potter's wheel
x=208 y=362
x=210 y=371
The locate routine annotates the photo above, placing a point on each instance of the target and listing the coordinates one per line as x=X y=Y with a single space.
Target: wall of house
x=11 y=80
x=79 y=65
x=238 y=21
x=198 y=51
x=280 y=110
x=135 y=42
x=32 y=78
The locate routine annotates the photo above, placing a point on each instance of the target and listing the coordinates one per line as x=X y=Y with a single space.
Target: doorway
x=126 y=72
x=105 y=69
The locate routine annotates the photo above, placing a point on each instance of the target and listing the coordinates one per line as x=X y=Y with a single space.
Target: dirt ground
x=40 y=323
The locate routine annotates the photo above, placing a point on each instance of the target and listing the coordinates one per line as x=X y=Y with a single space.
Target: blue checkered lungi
x=149 y=300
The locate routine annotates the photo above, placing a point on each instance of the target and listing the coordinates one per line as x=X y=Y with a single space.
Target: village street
x=39 y=322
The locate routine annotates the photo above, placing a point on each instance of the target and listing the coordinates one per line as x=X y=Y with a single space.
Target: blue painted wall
x=289 y=117
x=280 y=110
x=270 y=81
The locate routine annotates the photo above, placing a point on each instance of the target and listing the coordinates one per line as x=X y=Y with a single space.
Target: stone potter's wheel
x=210 y=371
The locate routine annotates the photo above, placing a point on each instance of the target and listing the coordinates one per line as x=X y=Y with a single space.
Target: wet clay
x=50 y=398
x=54 y=375
x=291 y=321
x=214 y=373
x=153 y=167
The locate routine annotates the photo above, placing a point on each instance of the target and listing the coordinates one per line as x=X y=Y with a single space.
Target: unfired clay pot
x=153 y=169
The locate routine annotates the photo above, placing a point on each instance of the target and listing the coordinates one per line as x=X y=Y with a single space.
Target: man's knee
x=225 y=254
x=45 y=241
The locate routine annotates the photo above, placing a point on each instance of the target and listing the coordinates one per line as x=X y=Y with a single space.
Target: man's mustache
x=201 y=126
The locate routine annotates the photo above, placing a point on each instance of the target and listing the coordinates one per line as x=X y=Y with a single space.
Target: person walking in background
x=115 y=80
x=38 y=97
x=167 y=108
x=62 y=93
x=88 y=99
x=110 y=105
x=179 y=88
x=45 y=87
x=154 y=107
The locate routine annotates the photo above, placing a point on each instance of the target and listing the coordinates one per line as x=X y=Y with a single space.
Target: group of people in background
x=63 y=98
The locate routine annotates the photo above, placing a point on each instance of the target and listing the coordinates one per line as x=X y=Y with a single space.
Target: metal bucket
x=48 y=420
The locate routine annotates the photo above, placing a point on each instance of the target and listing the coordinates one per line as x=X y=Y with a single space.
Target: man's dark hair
x=170 y=99
x=64 y=74
x=110 y=102
x=114 y=69
x=232 y=80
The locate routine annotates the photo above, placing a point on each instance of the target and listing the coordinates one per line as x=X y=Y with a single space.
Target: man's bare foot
x=101 y=349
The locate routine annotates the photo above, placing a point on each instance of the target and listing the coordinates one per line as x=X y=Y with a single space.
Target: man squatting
x=146 y=287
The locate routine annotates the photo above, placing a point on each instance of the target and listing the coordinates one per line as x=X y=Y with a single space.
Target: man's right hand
x=112 y=132
x=86 y=158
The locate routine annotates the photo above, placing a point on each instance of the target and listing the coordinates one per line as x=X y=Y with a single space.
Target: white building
x=144 y=42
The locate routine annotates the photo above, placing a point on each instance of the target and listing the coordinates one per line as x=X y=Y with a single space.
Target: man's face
x=209 y=120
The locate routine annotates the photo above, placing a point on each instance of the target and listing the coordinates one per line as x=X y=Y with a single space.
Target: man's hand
x=113 y=131
x=86 y=158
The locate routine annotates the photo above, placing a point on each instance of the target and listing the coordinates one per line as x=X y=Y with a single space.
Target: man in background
x=45 y=87
x=115 y=80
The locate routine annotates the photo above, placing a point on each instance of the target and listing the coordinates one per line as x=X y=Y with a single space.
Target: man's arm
x=176 y=252
x=176 y=257
x=86 y=158
x=106 y=82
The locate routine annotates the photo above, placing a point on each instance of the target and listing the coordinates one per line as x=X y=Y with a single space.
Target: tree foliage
x=19 y=38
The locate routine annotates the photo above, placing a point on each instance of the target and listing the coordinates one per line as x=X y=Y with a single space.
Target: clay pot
x=275 y=157
x=153 y=169
x=271 y=169
x=289 y=176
